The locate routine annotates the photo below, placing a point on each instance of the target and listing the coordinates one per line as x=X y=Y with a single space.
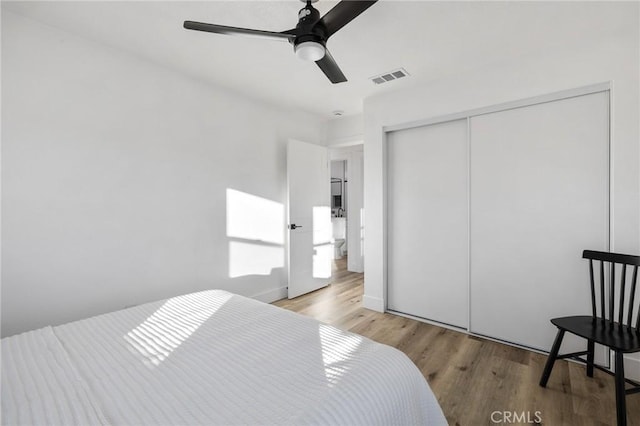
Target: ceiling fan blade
x=329 y=67
x=343 y=13
x=223 y=29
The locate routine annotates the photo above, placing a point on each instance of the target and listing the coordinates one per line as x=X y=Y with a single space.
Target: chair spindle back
x=613 y=259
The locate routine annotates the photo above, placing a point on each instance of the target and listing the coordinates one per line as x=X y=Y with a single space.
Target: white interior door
x=309 y=218
x=539 y=196
x=428 y=236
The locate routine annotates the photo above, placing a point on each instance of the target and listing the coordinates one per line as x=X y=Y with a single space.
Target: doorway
x=346 y=180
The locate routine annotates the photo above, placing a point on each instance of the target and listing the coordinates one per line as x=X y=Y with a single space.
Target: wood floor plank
x=473 y=378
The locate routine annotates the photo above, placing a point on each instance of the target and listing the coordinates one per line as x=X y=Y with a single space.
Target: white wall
x=345 y=130
x=616 y=60
x=115 y=175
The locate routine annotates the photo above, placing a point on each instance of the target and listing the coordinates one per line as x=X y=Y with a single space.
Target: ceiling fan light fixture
x=309 y=51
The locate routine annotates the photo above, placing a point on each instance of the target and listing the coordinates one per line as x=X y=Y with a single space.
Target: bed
x=209 y=358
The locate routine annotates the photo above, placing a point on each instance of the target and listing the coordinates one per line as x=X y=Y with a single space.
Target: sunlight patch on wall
x=254 y=259
x=171 y=325
x=254 y=218
x=255 y=227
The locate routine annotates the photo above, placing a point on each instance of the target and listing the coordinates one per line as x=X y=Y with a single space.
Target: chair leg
x=552 y=358
x=590 y=350
x=621 y=406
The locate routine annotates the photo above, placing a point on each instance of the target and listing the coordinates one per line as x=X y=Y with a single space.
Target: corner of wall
x=373 y=303
x=345 y=131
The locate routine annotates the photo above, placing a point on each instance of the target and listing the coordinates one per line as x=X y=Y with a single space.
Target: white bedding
x=40 y=386
x=208 y=358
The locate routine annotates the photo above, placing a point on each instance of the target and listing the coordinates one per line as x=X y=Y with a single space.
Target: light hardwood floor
x=471 y=377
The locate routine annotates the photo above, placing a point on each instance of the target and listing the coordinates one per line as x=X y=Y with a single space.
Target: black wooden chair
x=620 y=336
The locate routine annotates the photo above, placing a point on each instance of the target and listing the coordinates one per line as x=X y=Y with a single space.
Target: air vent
x=390 y=76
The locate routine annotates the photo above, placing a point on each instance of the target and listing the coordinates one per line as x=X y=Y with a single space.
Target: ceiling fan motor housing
x=308 y=17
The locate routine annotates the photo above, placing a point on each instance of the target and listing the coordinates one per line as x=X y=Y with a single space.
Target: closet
x=488 y=214
x=427 y=242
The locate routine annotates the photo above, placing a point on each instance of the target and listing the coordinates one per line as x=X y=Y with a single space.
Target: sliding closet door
x=427 y=211
x=539 y=196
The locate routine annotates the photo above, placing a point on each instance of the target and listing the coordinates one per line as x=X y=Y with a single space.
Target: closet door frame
x=467 y=115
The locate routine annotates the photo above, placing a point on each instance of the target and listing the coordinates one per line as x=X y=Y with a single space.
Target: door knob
x=294 y=226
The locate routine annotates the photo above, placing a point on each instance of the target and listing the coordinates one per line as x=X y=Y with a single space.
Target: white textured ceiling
x=429 y=39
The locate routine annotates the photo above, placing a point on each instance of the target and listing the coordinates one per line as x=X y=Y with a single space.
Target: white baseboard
x=271 y=295
x=373 y=303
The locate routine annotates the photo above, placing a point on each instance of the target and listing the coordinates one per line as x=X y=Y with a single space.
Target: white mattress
x=209 y=358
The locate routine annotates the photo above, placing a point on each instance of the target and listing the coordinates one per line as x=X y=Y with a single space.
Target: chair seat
x=620 y=338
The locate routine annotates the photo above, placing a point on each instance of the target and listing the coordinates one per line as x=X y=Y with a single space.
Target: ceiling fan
x=309 y=37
